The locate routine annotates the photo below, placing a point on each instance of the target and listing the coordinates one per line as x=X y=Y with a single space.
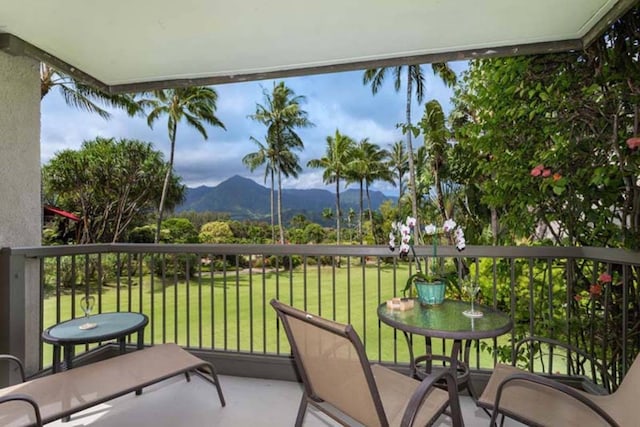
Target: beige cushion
x=70 y=391
x=546 y=406
x=395 y=392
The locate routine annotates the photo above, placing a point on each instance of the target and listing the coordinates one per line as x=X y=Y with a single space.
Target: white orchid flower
x=404 y=248
x=430 y=230
x=461 y=243
x=449 y=225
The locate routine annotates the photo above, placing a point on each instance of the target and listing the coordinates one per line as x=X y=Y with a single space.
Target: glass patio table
x=445 y=321
x=104 y=327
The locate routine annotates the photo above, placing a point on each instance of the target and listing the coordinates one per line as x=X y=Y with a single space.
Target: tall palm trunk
x=373 y=232
x=412 y=169
x=273 y=225
x=280 y=207
x=361 y=213
x=400 y=193
x=165 y=186
x=439 y=192
x=338 y=210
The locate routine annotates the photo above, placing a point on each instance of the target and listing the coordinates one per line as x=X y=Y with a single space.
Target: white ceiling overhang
x=127 y=45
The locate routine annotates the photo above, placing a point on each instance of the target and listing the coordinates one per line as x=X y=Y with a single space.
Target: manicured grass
x=231 y=311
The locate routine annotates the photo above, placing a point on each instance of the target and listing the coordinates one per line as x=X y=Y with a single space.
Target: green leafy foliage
x=216 y=232
x=178 y=230
x=552 y=153
x=546 y=143
x=112 y=185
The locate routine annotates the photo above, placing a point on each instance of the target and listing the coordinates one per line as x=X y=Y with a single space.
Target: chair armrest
x=27 y=399
x=15 y=360
x=421 y=392
x=596 y=365
x=545 y=382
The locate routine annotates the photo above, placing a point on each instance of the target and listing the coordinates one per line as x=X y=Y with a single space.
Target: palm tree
x=351 y=214
x=282 y=115
x=436 y=135
x=83 y=96
x=288 y=164
x=378 y=170
x=415 y=77
x=334 y=163
x=368 y=165
x=356 y=172
x=193 y=104
x=398 y=161
x=264 y=156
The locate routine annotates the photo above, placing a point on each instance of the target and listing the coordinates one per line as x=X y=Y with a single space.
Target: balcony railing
x=215 y=298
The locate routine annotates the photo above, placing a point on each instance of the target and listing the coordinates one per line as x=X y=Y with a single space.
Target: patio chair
x=339 y=380
x=538 y=400
x=44 y=399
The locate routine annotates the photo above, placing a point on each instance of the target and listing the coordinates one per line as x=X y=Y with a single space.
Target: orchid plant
x=408 y=240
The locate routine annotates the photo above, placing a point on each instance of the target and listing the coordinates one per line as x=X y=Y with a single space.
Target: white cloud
x=334 y=101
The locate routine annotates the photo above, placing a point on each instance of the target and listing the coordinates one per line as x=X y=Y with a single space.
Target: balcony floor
x=250 y=402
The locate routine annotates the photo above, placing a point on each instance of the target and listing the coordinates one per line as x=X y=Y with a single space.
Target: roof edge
x=14 y=45
x=618 y=10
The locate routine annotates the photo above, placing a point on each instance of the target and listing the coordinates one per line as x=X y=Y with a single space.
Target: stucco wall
x=20 y=209
x=20 y=206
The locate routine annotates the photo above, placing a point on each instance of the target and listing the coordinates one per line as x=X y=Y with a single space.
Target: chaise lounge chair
x=339 y=380
x=541 y=401
x=56 y=396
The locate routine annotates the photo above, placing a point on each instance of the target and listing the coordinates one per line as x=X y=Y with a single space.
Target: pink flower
x=546 y=173
x=595 y=289
x=605 y=278
x=633 y=143
x=577 y=298
x=537 y=170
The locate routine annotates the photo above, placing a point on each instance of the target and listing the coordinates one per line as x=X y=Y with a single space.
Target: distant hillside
x=243 y=198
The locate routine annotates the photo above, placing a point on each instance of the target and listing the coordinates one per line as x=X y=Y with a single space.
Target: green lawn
x=232 y=311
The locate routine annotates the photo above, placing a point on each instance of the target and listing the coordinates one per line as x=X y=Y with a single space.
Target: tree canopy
x=544 y=140
x=110 y=183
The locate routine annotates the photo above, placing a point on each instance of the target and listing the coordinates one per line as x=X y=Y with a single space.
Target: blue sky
x=333 y=101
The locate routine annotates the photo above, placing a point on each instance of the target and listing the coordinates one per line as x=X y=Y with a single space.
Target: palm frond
x=73 y=98
x=196 y=124
x=446 y=73
x=417 y=77
x=375 y=76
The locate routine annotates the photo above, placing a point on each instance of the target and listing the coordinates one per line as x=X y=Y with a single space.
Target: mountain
x=243 y=198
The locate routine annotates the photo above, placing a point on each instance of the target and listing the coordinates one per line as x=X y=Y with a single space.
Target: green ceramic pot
x=430 y=293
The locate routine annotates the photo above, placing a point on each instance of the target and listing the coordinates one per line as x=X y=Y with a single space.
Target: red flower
x=546 y=173
x=605 y=278
x=595 y=289
x=577 y=298
x=633 y=143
